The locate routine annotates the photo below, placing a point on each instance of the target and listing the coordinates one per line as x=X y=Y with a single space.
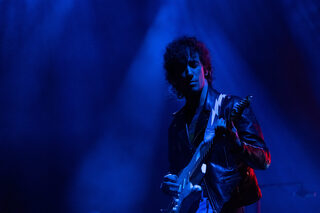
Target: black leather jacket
x=230 y=179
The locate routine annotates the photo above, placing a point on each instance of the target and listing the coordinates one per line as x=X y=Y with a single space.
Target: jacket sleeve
x=253 y=149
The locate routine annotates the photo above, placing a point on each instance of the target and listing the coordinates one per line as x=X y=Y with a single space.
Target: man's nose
x=189 y=73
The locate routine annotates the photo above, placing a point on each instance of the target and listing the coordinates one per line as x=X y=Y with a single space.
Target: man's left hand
x=228 y=130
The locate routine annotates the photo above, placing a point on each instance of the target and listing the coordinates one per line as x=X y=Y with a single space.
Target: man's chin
x=191 y=91
x=194 y=91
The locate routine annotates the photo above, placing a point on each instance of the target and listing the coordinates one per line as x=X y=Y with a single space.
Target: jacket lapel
x=204 y=116
x=201 y=122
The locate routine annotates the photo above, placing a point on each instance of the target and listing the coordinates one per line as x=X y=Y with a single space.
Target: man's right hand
x=169 y=185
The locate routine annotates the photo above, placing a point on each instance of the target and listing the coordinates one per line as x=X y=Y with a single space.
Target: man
x=229 y=182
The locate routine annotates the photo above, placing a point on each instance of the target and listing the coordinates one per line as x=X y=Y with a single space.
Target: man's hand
x=184 y=196
x=216 y=127
x=228 y=130
x=169 y=185
x=220 y=127
x=192 y=198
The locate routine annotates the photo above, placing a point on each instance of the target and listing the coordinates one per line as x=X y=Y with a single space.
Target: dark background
x=85 y=107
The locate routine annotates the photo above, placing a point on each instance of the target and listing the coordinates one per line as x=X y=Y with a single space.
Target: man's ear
x=206 y=72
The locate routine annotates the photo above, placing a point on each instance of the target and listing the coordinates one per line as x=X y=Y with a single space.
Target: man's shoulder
x=177 y=116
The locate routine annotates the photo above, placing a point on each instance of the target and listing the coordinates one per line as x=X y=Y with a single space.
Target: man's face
x=193 y=74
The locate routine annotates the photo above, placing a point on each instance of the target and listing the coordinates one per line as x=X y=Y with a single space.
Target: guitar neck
x=197 y=159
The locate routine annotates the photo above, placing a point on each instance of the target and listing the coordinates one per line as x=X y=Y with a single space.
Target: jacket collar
x=180 y=115
x=211 y=99
x=212 y=94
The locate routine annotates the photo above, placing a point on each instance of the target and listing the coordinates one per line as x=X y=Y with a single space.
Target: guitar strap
x=214 y=114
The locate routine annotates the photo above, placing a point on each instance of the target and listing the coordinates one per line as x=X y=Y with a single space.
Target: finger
x=174 y=189
x=196 y=188
x=171 y=190
x=170 y=177
x=221 y=128
x=168 y=187
x=196 y=192
x=223 y=123
x=220 y=123
x=171 y=184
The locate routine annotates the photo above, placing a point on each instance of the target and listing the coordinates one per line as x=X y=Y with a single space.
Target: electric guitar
x=194 y=171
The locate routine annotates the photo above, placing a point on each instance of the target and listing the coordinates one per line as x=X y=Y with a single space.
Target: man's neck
x=195 y=104
x=197 y=99
x=193 y=100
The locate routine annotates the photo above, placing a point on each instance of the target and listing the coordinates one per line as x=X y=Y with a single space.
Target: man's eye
x=193 y=64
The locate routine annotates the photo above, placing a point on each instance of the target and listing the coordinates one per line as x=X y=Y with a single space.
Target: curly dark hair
x=175 y=59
